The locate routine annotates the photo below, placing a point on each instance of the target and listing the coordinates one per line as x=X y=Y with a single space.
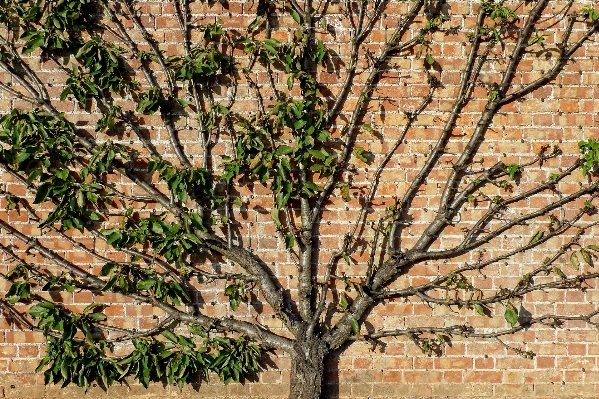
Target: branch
x=93 y=283
x=433 y=157
x=246 y=260
x=86 y=278
x=465 y=331
x=564 y=57
x=412 y=116
x=390 y=47
x=165 y=109
x=436 y=283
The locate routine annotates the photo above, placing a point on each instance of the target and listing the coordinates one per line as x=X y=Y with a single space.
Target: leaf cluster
x=34 y=142
x=202 y=61
x=54 y=26
x=183 y=183
x=102 y=72
x=236 y=294
x=171 y=240
x=82 y=361
x=129 y=278
x=590 y=153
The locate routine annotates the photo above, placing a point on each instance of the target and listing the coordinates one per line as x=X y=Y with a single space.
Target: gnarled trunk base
x=307 y=368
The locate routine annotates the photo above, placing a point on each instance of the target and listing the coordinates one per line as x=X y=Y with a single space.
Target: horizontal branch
x=90 y=282
x=469 y=246
x=438 y=281
x=466 y=331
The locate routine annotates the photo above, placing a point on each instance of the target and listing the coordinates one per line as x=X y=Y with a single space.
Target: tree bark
x=307 y=368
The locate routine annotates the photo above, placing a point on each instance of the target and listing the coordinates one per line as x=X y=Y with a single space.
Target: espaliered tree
x=164 y=211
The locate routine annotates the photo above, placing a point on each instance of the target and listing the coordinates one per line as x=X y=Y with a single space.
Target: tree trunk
x=307 y=368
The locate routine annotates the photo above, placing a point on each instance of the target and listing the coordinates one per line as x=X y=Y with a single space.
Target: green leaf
x=343 y=301
x=536 y=237
x=34 y=175
x=317 y=154
x=91 y=306
x=274 y=213
x=62 y=174
x=345 y=194
x=42 y=193
x=593 y=247
x=512 y=169
x=114 y=237
x=234 y=303
x=312 y=186
x=41 y=309
x=346 y=258
x=273 y=42
x=170 y=336
x=93 y=216
x=22 y=156
x=283 y=150
x=300 y=123
x=295 y=15
x=289 y=241
x=574 y=262
x=429 y=59
x=196 y=329
x=323 y=136
x=146 y=284
x=110 y=284
x=271 y=45
x=196 y=220
x=511 y=314
x=31 y=45
x=97 y=316
x=479 y=309
x=176 y=287
x=359 y=153
x=553 y=176
x=254 y=24
x=590 y=13
x=367 y=127
x=42 y=364
x=586 y=255
x=157 y=228
x=355 y=327
x=108 y=269
x=559 y=271
x=270 y=49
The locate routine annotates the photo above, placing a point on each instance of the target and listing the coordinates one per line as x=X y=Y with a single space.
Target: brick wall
x=562 y=112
